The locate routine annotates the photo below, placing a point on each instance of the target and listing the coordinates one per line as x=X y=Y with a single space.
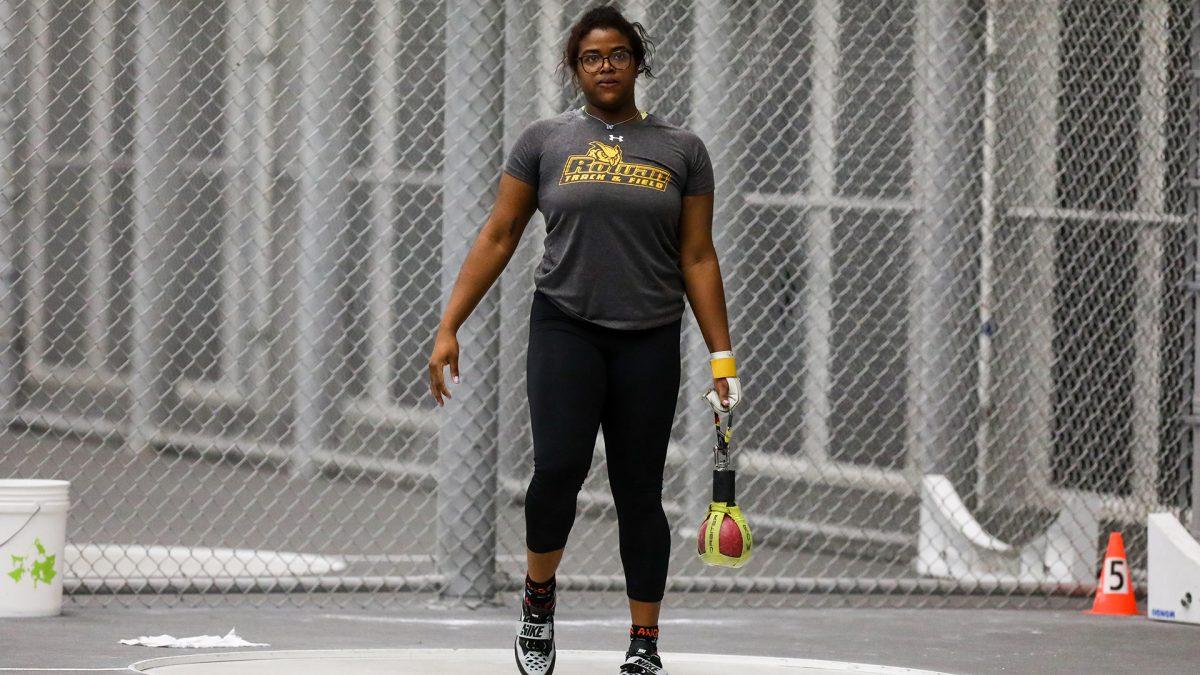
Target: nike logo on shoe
x=643 y=663
x=538 y=631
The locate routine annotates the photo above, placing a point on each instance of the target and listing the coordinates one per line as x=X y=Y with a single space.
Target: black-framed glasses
x=619 y=60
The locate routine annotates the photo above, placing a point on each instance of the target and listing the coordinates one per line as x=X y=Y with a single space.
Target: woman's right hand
x=445 y=352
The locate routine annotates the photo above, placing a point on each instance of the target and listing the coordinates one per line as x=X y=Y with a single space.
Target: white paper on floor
x=231 y=639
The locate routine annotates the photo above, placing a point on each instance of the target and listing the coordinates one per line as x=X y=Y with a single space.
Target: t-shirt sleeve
x=525 y=157
x=700 y=171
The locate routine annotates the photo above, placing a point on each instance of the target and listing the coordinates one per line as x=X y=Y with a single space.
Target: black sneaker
x=534 y=644
x=642 y=659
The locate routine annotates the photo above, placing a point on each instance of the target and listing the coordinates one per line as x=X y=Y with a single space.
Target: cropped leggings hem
x=582 y=377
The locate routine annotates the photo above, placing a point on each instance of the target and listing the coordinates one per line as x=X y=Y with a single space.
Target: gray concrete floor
x=167 y=499
x=949 y=640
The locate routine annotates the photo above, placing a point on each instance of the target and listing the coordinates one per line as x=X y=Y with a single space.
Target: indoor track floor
x=949 y=640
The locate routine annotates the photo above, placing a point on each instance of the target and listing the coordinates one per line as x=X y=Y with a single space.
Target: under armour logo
x=616 y=138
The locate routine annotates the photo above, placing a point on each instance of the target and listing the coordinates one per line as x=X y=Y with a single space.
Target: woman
x=628 y=202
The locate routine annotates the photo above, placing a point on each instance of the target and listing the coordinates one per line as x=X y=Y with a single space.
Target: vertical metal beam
x=551 y=36
x=238 y=63
x=714 y=84
x=266 y=16
x=818 y=287
x=247 y=191
x=157 y=183
x=1014 y=436
x=467 y=443
x=530 y=38
x=99 y=218
x=10 y=363
x=946 y=192
x=324 y=192
x=987 y=224
x=385 y=85
x=1152 y=159
x=1193 y=125
x=1021 y=423
x=40 y=89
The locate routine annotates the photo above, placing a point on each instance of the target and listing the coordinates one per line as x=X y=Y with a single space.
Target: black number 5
x=1116 y=575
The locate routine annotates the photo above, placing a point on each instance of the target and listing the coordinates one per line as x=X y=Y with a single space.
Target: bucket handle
x=27 y=521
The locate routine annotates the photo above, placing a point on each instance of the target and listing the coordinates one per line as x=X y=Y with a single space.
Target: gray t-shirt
x=611 y=200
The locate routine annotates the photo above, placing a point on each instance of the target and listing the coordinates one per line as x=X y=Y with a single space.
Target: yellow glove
x=724 y=366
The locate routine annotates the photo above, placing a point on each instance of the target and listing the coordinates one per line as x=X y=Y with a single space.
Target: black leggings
x=581 y=376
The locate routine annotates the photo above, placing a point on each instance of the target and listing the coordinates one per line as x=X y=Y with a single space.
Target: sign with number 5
x=1116 y=576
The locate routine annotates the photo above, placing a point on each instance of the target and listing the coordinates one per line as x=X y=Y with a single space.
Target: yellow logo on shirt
x=603 y=164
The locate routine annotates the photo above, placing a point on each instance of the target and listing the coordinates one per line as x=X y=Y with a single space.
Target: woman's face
x=607 y=87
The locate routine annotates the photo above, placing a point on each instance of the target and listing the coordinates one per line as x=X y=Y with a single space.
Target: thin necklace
x=610 y=126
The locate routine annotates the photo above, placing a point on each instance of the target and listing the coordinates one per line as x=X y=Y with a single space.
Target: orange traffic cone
x=1114 y=591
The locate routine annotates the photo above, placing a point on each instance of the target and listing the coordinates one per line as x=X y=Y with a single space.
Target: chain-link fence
x=957 y=240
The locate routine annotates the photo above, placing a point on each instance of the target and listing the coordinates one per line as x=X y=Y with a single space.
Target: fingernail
x=455 y=379
x=726 y=401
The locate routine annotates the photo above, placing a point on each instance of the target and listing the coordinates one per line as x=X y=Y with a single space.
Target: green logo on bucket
x=41 y=567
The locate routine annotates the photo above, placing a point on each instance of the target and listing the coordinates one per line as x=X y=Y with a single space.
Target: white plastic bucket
x=33 y=533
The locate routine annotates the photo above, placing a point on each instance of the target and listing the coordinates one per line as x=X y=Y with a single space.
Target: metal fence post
x=945 y=192
x=1019 y=429
x=251 y=74
x=532 y=40
x=520 y=109
x=1151 y=198
x=467 y=436
x=158 y=183
x=1194 y=206
x=324 y=172
x=101 y=203
x=819 y=231
x=10 y=358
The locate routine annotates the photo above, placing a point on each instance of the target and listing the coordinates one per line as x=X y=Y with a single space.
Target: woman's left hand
x=725 y=394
